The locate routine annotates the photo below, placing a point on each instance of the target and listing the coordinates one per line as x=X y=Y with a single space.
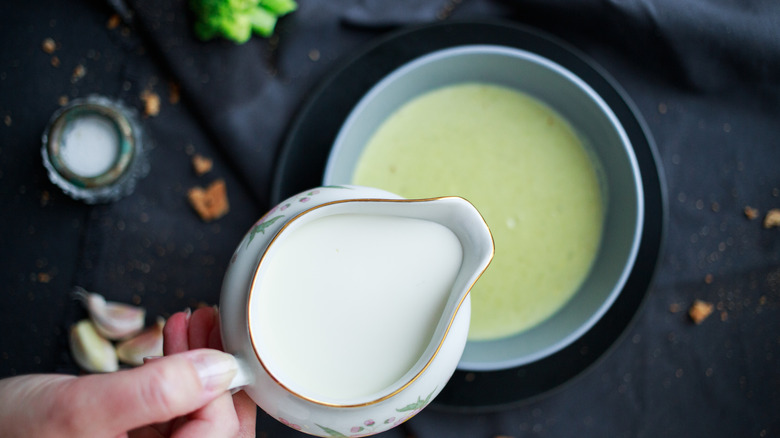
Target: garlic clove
x=145 y=344
x=112 y=320
x=91 y=351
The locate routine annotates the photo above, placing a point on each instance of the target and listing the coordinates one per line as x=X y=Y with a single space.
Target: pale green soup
x=524 y=169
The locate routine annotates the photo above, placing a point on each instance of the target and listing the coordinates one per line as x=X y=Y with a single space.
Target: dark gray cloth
x=703 y=74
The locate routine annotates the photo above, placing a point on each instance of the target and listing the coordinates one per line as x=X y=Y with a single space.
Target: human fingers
x=215 y=338
x=201 y=325
x=246 y=412
x=230 y=418
x=175 y=333
x=25 y=401
x=246 y=409
x=217 y=418
x=173 y=386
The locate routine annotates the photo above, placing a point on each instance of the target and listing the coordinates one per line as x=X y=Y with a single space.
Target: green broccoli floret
x=237 y=19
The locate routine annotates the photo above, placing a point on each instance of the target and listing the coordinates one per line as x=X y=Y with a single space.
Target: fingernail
x=148 y=359
x=215 y=368
x=187 y=313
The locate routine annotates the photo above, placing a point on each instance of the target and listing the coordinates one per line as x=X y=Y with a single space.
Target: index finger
x=175 y=338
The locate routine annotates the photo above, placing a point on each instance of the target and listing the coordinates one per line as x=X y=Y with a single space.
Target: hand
x=181 y=395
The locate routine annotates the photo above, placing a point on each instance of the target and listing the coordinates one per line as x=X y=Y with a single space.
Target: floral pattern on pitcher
x=369 y=426
x=266 y=220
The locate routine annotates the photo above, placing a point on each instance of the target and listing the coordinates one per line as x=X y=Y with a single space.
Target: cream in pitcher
x=349 y=302
x=347 y=308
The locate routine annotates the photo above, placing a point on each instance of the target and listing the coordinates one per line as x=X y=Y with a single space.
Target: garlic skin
x=147 y=343
x=91 y=351
x=112 y=320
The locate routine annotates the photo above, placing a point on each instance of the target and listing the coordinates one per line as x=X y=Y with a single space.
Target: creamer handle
x=243 y=377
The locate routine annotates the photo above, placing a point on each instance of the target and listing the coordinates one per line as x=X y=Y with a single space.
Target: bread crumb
x=210 y=203
x=113 y=22
x=55 y=61
x=44 y=277
x=174 y=93
x=151 y=103
x=7 y=120
x=750 y=212
x=201 y=164
x=49 y=46
x=79 y=72
x=699 y=311
x=708 y=278
x=62 y=100
x=772 y=218
x=675 y=307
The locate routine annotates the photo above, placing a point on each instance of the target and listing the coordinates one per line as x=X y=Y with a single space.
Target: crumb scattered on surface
x=113 y=21
x=772 y=218
x=45 y=198
x=201 y=164
x=210 y=203
x=7 y=120
x=675 y=307
x=708 y=278
x=314 y=54
x=44 y=277
x=55 y=61
x=174 y=93
x=700 y=310
x=151 y=103
x=49 y=46
x=662 y=108
x=63 y=100
x=79 y=72
x=750 y=212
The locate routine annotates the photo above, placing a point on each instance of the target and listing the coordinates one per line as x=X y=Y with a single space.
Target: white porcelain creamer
x=348 y=307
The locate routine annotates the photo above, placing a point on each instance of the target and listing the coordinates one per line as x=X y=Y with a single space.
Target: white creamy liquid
x=346 y=304
x=526 y=170
x=90 y=146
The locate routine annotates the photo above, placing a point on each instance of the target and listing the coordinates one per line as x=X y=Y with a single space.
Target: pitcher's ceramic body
x=368 y=414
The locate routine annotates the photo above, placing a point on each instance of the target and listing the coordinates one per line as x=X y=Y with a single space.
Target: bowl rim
x=308 y=138
x=638 y=208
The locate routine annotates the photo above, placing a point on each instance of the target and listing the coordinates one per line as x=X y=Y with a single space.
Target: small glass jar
x=93 y=149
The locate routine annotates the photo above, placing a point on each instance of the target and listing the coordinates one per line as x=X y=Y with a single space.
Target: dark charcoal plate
x=307 y=145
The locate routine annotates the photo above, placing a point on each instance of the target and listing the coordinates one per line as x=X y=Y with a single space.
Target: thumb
x=158 y=391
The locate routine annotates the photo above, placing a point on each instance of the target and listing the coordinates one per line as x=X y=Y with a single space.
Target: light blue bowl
x=603 y=137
